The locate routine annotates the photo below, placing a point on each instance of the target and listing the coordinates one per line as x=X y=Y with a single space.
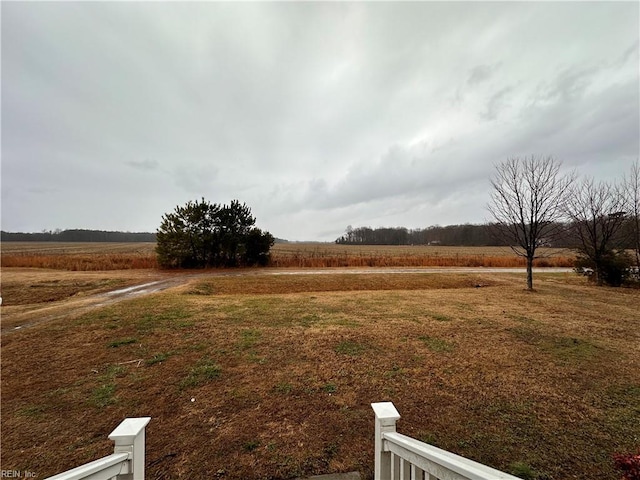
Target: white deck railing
x=125 y=463
x=398 y=457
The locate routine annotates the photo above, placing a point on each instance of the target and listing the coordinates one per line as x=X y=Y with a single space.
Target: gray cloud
x=481 y=73
x=317 y=115
x=496 y=103
x=145 y=165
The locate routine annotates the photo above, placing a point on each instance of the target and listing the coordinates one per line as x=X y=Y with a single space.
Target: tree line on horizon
x=464 y=235
x=78 y=235
x=467 y=235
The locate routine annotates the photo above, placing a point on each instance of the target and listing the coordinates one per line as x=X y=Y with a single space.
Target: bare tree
x=632 y=190
x=527 y=203
x=598 y=216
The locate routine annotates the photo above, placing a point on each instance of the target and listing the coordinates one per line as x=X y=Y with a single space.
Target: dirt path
x=73 y=307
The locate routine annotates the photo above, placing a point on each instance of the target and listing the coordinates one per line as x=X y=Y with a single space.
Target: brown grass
x=114 y=256
x=79 y=256
x=81 y=263
x=302 y=255
x=282 y=370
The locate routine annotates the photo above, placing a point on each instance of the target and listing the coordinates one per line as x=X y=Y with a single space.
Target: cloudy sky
x=317 y=115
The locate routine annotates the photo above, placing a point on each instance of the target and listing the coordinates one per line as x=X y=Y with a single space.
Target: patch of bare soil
x=35 y=295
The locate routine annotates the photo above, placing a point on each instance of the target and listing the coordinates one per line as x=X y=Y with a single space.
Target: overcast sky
x=317 y=115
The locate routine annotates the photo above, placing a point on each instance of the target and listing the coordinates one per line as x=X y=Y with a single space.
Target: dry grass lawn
x=256 y=377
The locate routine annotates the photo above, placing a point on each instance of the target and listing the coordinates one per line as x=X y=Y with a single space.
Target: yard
x=262 y=376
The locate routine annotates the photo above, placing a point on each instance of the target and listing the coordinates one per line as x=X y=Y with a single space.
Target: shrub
x=613 y=268
x=629 y=464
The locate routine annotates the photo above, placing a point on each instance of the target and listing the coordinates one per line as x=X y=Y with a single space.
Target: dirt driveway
x=17 y=317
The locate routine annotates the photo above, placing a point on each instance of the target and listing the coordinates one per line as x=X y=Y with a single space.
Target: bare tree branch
x=632 y=190
x=527 y=203
x=598 y=214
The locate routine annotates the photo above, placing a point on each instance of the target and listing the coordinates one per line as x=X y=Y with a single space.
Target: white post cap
x=128 y=430
x=385 y=411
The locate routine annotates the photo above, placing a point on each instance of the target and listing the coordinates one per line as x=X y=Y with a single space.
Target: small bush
x=628 y=464
x=614 y=268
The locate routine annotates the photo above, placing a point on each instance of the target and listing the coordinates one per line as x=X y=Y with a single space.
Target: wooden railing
x=125 y=463
x=398 y=457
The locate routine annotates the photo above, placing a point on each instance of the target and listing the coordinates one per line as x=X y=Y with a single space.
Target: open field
x=78 y=256
x=256 y=377
x=333 y=255
x=120 y=256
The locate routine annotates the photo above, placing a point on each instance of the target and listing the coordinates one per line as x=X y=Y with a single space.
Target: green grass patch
x=330 y=388
x=251 y=445
x=164 y=318
x=284 y=388
x=624 y=394
x=396 y=371
x=104 y=395
x=563 y=348
x=345 y=322
x=572 y=348
x=349 y=347
x=202 y=288
x=158 y=358
x=32 y=411
x=310 y=320
x=114 y=371
x=120 y=343
x=205 y=371
x=249 y=338
x=527 y=335
x=437 y=345
x=522 y=470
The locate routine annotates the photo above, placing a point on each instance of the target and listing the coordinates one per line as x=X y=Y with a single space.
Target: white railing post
x=386 y=417
x=129 y=438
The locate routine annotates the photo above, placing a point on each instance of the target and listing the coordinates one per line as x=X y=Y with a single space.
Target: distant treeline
x=467 y=235
x=455 y=235
x=78 y=236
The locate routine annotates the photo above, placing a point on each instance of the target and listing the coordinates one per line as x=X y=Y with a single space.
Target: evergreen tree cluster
x=201 y=234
